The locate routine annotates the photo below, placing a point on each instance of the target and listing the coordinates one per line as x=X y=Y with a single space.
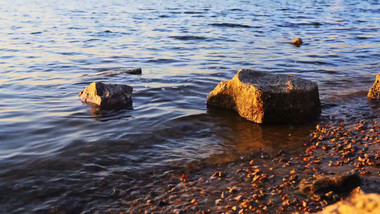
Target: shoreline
x=264 y=182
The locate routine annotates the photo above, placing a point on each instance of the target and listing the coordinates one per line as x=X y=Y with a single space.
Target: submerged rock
x=374 y=92
x=364 y=203
x=297 y=42
x=110 y=73
x=107 y=96
x=267 y=98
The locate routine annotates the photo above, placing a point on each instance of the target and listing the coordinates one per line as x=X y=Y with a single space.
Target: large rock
x=374 y=92
x=268 y=98
x=107 y=96
x=363 y=204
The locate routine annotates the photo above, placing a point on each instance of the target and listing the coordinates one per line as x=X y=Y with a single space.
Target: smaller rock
x=323 y=185
x=218 y=174
x=233 y=189
x=132 y=71
x=110 y=73
x=218 y=202
x=297 y=42
x=162 y=204
x=107 y=96
x=238 y=198
x=374 y=92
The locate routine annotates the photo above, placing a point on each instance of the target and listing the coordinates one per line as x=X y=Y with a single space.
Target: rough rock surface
x=267 y=98
x=107 y=96
x=374 y=92
x=363 y=204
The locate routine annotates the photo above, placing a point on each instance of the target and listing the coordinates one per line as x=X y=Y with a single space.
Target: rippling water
x=56 y=153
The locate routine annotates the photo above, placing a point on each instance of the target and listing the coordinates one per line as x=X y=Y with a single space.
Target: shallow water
x=57 y=152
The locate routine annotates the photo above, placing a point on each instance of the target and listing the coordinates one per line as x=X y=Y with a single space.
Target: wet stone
x=267 y=98
x=107 y=96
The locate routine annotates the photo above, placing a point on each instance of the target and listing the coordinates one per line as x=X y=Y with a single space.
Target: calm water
x=56 y=153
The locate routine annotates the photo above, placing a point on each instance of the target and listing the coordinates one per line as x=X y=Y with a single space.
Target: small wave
x=364 y=37
x=230 y=25
x=193 y=12
x=69 y=53
x=289 y=24
x=185 y=38
x=311 y=23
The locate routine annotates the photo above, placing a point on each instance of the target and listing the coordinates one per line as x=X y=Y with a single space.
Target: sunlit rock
x=374 y=92
x=362 y=203
x=267 y=98
x=297 y=42
x=107 y=96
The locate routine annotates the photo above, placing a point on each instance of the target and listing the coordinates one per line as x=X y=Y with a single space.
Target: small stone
x=110 y=73
x=222 y=195
x=238 y=198
x=162 y=203
x=297 y=42
x=184 y=178
x=218 y=174
x=218 y=201
x=233 y=189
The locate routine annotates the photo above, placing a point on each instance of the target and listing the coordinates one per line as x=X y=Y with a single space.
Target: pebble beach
x=263 y=182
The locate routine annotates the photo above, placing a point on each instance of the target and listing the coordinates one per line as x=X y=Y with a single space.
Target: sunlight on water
x=51 y=50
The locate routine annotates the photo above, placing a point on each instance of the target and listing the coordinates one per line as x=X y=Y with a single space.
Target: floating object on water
x=297 y=42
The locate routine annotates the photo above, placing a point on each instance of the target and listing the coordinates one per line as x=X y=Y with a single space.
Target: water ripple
x=59 y=154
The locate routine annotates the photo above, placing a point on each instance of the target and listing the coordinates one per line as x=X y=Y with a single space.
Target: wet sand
x=264 y=182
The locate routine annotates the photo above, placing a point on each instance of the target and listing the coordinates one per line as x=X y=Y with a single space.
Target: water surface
x=58 y=154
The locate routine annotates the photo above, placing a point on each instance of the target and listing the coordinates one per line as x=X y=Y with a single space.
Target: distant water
x=57 y=154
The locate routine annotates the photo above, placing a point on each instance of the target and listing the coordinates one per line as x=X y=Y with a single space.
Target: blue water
x=58 y=154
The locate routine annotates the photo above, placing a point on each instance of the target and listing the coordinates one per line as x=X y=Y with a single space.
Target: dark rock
x=110 y=73
x=267 y=98
x=107 y=96
x=163 y=203
x=338 y=185
x=132 y=71
x=374 y=92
